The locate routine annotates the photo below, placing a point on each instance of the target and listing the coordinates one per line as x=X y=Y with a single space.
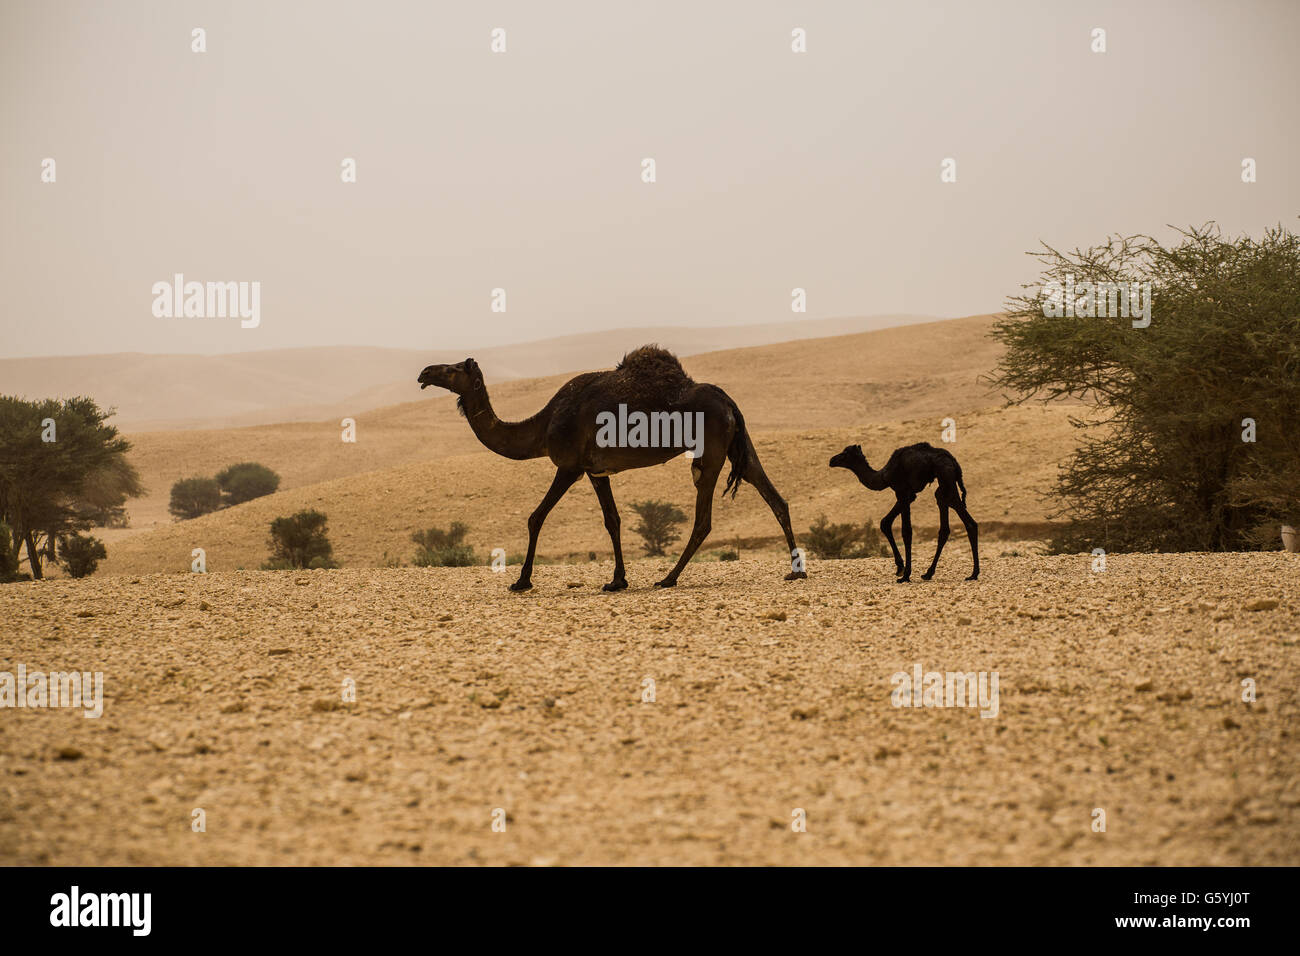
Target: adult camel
x=649 y=380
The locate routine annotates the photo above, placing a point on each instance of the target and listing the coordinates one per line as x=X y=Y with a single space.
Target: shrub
x=436 y=548
x=300 y=541
x=246 y=481
x=192 y=497
x=834 y=542
x=658 y=525
x=729 y=555
x=82 y=554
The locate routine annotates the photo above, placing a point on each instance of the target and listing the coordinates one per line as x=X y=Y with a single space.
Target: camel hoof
x=522 y=586
x=973 y=577
x=797 y=576
x=666 y=583
x=618 y=585
x=906 y=579
x=927 y=576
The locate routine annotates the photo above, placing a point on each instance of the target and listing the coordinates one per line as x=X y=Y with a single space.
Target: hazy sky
x=522 y=170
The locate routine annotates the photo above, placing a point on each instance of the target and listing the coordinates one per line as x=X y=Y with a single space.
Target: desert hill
x=925 y=370
x=1008 y=456
x=311 y=384
x=418 y=465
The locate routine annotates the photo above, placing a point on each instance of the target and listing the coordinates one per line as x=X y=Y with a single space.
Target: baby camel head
x=850 y=458
x=461 y=378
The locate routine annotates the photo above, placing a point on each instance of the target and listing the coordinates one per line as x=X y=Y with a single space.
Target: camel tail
x=962 y=486
x=737 y=452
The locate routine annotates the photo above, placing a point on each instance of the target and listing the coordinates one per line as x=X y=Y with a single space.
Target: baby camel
x=907 y=473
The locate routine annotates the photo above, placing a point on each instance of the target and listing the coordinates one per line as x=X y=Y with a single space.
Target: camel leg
x=941 y=497
x=704 y=486
x=907 y=543
x=605 y=495
x=972 y=532
x=887 y=529
x=562 y=482
x=758 y=478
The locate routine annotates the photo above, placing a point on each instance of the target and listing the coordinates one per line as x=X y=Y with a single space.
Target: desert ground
x=1119 y=691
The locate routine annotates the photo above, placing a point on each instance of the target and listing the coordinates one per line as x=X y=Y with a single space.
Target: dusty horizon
x=889 y=321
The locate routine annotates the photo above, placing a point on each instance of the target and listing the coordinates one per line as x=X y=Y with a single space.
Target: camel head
x=849 y=457
x=461 y=378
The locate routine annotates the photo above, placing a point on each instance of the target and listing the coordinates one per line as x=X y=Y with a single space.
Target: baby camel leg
x=972 y=532
x=941 y=498
x=907 y=543
x=887 y=529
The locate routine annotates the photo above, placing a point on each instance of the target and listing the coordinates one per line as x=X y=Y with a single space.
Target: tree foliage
x=8 y=555
x=246 y=481
x=62 y=470
x=104 y=493
x=193 y=497
x=1162 y=463
x=300 y=541
x=658 y=524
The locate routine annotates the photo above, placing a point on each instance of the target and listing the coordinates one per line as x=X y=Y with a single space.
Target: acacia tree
x=1190 y=441
x=61 y=467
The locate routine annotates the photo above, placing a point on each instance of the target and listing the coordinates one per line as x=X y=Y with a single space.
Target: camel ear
x=472 y=368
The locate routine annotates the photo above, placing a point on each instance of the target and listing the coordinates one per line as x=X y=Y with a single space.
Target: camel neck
x=517 y=440
x=872 y=479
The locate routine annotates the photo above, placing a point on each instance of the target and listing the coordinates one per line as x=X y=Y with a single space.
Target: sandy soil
x=1120 y=691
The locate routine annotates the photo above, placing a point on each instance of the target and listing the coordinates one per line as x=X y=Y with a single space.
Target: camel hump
x=652 y=360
